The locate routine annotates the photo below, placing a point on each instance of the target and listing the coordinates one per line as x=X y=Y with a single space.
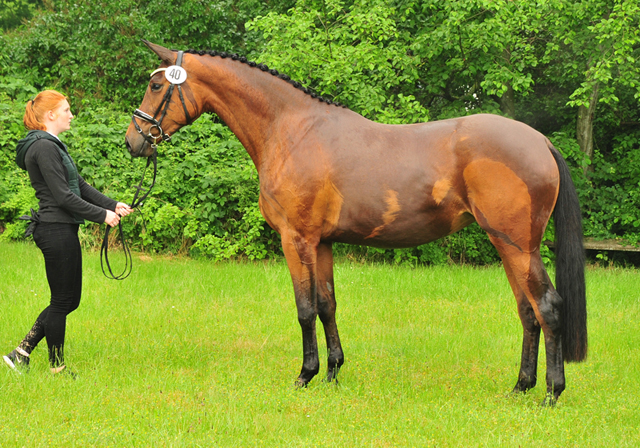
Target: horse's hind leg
x=527 y=270
x=528 y=375
x=327 y=310
x=514 y=208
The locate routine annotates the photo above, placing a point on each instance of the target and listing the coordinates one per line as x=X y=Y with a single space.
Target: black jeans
x=63 y=263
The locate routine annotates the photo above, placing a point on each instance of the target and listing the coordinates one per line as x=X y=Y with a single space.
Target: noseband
x=155 y=131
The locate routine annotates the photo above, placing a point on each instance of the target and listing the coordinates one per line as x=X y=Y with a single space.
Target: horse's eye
x=155 y=87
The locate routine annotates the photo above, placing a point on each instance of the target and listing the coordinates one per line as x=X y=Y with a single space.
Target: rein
x=137 y=202
x=155 y=133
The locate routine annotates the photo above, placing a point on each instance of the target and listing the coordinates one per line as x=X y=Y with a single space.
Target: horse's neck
x=252 y=103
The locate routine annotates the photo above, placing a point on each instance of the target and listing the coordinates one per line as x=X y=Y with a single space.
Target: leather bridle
x=155 y=132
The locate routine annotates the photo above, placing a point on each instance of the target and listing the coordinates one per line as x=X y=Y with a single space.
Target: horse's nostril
x=126 y=141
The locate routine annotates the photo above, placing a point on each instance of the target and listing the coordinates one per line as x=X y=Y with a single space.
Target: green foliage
x=474 y=48
x=93 y=50
x=14 y=12
x=16 y=194
x=613 y=206
x=395 y=61
x=352 y=53
x=610 y=193
x=608 y=42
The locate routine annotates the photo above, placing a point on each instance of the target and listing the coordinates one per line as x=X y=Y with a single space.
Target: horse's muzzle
x=141 y=147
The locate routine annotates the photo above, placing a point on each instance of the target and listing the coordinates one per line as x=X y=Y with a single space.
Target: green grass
x=191 y=353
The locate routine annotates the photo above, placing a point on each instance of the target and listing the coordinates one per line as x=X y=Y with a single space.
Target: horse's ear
x=167 y=56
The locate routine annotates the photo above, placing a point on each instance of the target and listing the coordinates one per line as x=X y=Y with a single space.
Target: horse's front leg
x=301 y=259
x=327 y=310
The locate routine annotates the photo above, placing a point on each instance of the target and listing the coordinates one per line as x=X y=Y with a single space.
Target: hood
x=24 y=145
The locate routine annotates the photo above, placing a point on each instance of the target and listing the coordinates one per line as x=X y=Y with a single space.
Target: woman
x=65 y=201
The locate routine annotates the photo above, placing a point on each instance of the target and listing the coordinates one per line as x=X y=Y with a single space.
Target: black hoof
x=522 y=386
x=549 y=401
x=332 y=375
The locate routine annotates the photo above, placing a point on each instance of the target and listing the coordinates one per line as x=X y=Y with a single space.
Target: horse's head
x=168 y=104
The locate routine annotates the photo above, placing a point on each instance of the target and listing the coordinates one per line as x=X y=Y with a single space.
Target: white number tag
x=175 y=74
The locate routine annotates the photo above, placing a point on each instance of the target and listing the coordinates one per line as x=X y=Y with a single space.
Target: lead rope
x=137 y=202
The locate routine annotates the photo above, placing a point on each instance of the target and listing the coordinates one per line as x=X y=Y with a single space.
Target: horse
x=327 y=174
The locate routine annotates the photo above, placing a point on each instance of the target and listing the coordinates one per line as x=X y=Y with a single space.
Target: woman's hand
x=123 y=209
x=112 y=218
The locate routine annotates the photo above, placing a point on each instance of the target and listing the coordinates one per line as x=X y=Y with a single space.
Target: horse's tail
x=570 y=259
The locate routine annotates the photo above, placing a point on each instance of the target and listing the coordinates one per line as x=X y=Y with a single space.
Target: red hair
x=36 y=108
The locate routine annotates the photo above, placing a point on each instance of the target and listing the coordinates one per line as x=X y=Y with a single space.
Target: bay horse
x=328 y=175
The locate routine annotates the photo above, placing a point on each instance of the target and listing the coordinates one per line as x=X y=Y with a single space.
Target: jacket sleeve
x=50 y=163
x=93 y=196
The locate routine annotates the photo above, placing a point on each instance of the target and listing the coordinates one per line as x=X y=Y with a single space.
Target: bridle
x=155 y=132
x=152 y=138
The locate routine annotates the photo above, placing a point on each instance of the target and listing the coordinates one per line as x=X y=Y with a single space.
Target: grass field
x=191 y=353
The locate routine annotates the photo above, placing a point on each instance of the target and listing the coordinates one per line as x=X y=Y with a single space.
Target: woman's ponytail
x=37 y=107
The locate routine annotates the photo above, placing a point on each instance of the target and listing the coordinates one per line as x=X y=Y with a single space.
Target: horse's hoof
x=332 y=375
x=300 y=384
x=330 y=379
x=517 y=391
x=549 y=401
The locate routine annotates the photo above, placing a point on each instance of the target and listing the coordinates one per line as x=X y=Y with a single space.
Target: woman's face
x=59 y=119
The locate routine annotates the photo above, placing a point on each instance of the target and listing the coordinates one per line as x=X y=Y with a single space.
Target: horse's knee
x=326 y=309
x=307 y=318
x=307 y=312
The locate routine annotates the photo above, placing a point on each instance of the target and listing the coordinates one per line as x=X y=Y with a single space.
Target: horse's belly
x=400 y=230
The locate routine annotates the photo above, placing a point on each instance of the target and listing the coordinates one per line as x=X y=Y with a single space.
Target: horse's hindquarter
x=511 y=176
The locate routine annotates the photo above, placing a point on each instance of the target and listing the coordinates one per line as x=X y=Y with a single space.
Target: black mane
x=264 y=68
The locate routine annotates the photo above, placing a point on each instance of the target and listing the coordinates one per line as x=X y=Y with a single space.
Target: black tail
x=570 y=258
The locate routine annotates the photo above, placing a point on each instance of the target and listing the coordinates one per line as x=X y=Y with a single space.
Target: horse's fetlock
x=336 y=361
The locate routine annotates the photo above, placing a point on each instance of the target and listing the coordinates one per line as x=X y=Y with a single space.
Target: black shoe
x=17 y=361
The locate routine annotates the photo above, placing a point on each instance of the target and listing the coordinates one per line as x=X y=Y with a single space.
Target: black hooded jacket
x=50 y=169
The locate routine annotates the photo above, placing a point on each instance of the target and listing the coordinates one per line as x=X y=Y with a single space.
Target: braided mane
x=265 y=68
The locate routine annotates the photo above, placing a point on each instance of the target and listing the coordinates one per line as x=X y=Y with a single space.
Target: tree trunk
x=508 y=103
x=584 y=128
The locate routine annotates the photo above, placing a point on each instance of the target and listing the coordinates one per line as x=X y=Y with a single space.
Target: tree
x=93 y=50
x=474 y=53
x=14 y=12
x=351 y=52
x=596 y=45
